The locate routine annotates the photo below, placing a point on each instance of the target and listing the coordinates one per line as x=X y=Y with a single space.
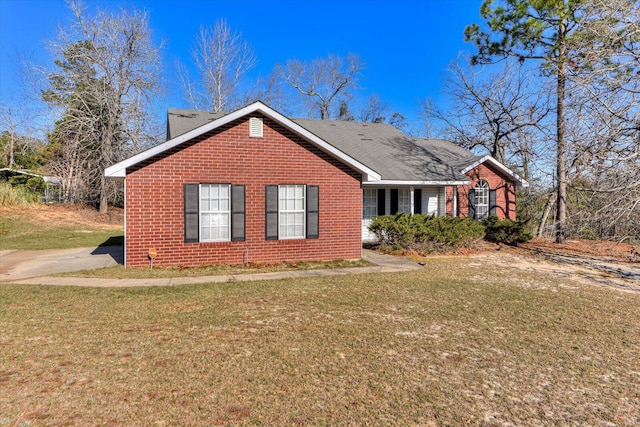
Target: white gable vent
x=255 y=127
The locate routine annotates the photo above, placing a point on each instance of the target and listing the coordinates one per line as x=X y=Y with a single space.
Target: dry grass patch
x=453 y=344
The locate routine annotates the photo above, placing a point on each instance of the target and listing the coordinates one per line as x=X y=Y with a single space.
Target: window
x=482 y=199
x=370 y=203
x=215 y=213
x=291 y=210
x=404 y=200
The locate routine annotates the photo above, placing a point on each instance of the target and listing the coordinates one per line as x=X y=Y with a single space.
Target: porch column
x=454 y=202
x=411 y=199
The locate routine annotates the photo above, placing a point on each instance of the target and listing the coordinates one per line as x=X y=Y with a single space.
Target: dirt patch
x=66 y=215
x=609 y=264
x=594 y=249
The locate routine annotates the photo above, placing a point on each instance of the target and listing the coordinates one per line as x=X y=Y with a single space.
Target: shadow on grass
x=114 y=247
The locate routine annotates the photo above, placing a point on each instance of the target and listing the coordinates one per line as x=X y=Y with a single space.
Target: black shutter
x=191 y=213
x=381 y=206
x=271 y=212
x=417 y=200
x=313 y=205
x=394 y=201
x=238 y=216
x=472 y=203
x=492 y=202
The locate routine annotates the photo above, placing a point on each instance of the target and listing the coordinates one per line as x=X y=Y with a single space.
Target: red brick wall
x=505 y=192
x=155 y=201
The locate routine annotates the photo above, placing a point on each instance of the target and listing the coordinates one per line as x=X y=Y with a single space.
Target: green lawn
x=29 y=233
x=461 y=342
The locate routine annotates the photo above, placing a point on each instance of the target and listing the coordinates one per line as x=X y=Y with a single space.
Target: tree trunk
x=561 y=224
x=104 y=201
x=11 y=149
x=545 y=214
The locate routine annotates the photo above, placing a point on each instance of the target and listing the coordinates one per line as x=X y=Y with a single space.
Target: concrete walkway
x=33 y=267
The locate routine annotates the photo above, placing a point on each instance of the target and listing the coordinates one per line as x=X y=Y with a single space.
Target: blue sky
x=405 y=44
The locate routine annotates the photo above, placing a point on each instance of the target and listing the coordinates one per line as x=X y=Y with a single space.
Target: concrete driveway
x=15 y=265
x=35 y=267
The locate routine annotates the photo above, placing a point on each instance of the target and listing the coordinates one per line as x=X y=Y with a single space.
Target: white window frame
x=482 y=199
x=216 y=213
x=404 y=200
x=292 y=211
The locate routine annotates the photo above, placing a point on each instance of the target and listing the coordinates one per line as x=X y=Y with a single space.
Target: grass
x=458 y=343
x=29 y=232
x=17 y=196
x=119 y=272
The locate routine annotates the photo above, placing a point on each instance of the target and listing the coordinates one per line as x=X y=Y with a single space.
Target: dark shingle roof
x=182 y=121
x=391 y=153
x=381 y=147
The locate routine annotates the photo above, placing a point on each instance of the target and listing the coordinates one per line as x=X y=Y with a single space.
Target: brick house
x=256 y=186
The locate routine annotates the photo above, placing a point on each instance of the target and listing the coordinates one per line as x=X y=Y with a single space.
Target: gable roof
x=119 y=170
x=381 y=152
x=487 y=158
x=398 y=158
x=182 y=121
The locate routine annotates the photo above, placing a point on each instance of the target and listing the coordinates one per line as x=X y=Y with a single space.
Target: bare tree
x=108 y=72
x=222 y=59
x=11 y=120
x=604 y=123
x=323 y=83
x=495 y=112
x=19 y=116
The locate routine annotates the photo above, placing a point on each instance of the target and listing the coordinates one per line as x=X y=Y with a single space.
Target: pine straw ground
x=462 y=342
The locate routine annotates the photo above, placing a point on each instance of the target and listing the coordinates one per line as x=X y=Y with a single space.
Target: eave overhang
x=119 y=170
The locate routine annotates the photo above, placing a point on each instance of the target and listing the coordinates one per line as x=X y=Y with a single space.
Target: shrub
x=425 y=233
x=16 y=196
x=505 y=231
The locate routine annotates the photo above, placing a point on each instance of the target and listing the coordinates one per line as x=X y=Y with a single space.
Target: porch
x=388 y=200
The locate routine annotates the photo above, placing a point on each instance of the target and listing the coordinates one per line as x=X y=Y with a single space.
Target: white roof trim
x=499 y=165
x=385 y=182
x=53 y=180
x=119 y=170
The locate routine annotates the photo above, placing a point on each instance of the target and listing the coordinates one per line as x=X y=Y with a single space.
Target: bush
x=425 y=233
x=16 y=196
x=505 y=231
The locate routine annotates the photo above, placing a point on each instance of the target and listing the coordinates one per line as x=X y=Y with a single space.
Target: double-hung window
x=292 y=211
x=404 y=200
x=370 y=203
x=215 y=213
